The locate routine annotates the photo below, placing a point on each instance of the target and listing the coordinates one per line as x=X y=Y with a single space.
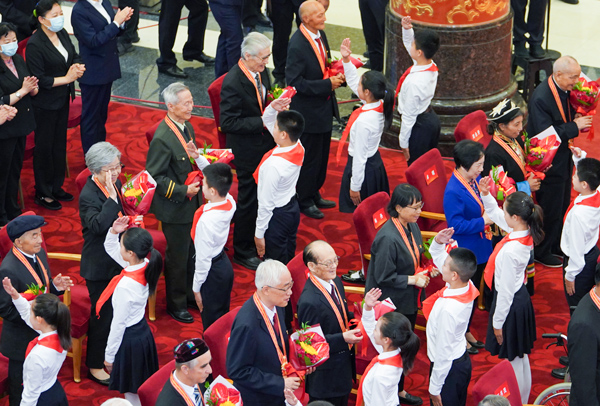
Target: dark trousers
x=372 y=15
x=554 y=197
x=585 y=281
x=424 y=136
x=129 y=34
x=282 y=16
x=179 y=266
x=216 y=290
x=11 y=163
x=280 y=237
x=251 y=12
x=50 y=153
x=337 y=401
x=94 y=112
x=314 y=167
x=15 y=381
x=535 y=20
x=229 y=18
x=98 y=328
x=167 y=30
x=454 y=391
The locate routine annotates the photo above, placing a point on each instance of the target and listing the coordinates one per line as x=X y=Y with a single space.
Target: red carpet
x=127 y=125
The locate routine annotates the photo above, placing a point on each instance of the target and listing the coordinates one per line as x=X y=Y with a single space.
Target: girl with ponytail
x=393 y=338
x=511 y=327
x=130 y=355
x=45 y=354
x=364 y=174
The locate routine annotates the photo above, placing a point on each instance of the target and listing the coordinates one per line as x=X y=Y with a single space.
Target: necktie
x=259 y=85
x=276 y=324
x=335 y=296
x=321 y=49
x=197 y=396
x=187 y=134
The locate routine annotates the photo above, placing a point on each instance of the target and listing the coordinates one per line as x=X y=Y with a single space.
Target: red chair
x=473 y=126
x=150 y=132
x=3 y=375
x=214 y=94
x=500 y=380
x=23 y=47
x=29 y=147
x=217 y=339
x=150 y=389
x=74 y=113
x=299 y=273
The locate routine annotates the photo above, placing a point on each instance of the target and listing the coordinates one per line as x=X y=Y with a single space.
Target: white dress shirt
x=211 y=234
x=41 y=366
x=189 y=390
x=365 y=133
x=128 y=300
x=446 y=327
x=380 y=386
x=416 y=92
x=511 y=263
x=277 y=178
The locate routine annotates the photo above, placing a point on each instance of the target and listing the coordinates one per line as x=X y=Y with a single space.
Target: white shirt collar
x=280 y=150
x=132 y=268
x=519 y=234
x=455 y=292
x=373 y=105
x=189 y=390
x=313 y=36
x=270 y=313
x=326 y=285
x=580 y=198
x=418 y=68
x=47 y=334
x=389 y=354
x=177 y=123
x=28 y=256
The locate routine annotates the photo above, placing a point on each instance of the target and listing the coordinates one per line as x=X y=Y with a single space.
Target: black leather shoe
x=182 y=316
x=63 y=196
x=571 y=1
x=366 y=54
x=324 y=204
x=536 y=51
x=124 y=48
x=472 y=351
x=174 y=71
x=205 y=59
x=249 y=263
x=410 y=400
x=549 y=261
x=559 y=372
x=53 y=205
x=564 y=360
x=104 y=382
x=135 y=39
x=476 y=344
x=312 y=212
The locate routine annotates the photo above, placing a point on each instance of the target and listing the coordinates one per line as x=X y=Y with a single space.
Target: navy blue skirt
x=55 y=396
x=376 y=180
x=136 y=359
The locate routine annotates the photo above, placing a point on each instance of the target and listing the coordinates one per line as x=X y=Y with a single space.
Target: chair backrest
x=428 y=175
x=150 y=132
x=217 y=339
x=299 y=273
x=81 y=308
x=29 y=146
x=3 y=374
x=214 y=94
x=150 y=389
x=81 y=179
x=368 y=217
x=5 y=242
x=473 y=126
x=23 y=47
x=500 y=380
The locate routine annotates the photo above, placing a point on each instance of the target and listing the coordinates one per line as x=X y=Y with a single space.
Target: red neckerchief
x=138 y=275
x=414 y=250
x=395 y=361
x=513 y=154
x=50 y=341
x=183 y=394
x=252 y=80
x=591 y=201
x=470 y=295
x=490 y=268
x=351 y=120
x=295 y=156
x=33 y=273
x=432 y=68
x=320 y=57
x=225 y=206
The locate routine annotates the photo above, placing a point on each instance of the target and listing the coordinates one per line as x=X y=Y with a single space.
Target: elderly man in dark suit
x=253 y=361
x=243 y=99
x=306 y=67
x=323 y=302
x=24 y=265
x=175 y=202
x=96 y=27
x=549 y=106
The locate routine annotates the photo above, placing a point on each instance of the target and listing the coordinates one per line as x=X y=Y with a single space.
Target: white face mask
x=10 y=49
x=56 y=23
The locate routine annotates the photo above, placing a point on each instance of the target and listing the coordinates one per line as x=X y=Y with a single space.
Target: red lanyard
x=183 y=394
x=557 y=98
x=281 y=354
x=253 y=81
x=342 y=322
x=470 y=189
x=320 y=57
x=105 y=192
x=177 y=132
x=414 y=250
x=512 y=153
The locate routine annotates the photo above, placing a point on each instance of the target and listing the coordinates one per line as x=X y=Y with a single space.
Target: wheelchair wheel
x=555 y=395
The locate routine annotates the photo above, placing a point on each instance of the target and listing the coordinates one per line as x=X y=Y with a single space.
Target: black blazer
x=24 y=121
x=334 y=377
x=584 y=354
x=241 y=118
x=496 y=155
x=16 y=334
x=46 y=63
x=97 y=215
x=391 y=265
x=252 y=361
x=315 y=99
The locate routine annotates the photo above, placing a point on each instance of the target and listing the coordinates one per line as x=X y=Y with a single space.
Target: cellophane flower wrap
x=138 y=192
x=584 y=99
x=276 y=92
x=33 y=291
x=383 y=307
x=217 y=155
x=337 y=66
x=540 y=151
x=503 y=185
x=308 y=347
x=222 y=393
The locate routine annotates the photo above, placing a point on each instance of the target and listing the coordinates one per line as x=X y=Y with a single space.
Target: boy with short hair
x=580 y=229
x=276 y=177
x=420 y=129
x=213 y=277
x=447 y=312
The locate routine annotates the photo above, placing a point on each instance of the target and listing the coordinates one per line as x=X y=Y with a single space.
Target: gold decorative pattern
x=446 y=11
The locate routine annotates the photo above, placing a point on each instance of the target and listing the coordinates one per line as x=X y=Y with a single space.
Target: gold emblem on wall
x=454 y=12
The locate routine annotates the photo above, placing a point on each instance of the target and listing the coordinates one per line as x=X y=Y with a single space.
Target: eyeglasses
x=263 y=58
x=417 y=207
x=282 y=289
x=115 y=168
x=331 y=263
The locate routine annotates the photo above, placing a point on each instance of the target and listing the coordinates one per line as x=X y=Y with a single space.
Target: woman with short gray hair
x=99 y=206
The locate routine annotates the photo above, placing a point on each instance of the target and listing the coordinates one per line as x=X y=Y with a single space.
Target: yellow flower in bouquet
x=309 y=349
x=133 y=192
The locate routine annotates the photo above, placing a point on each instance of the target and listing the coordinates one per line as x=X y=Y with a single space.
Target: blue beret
x=20 y=225
x=189 y=350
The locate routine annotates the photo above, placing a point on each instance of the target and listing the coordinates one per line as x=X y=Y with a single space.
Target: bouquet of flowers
x=138 y=192
x=337 y=66
x=217 y=155
x=33 y=291
x=222 y=393
x=503 y=185
x=309 y=347
x=276 y=92
x=540 y=151
x=584 y=99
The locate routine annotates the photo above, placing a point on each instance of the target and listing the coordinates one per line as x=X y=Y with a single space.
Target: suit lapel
x=48 y=44
x=9 y=74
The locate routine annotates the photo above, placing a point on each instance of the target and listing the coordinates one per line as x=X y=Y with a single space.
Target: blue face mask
x=10 y=49
x=56 y=23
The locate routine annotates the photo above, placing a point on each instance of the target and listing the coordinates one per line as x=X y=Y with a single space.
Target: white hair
x=494 y=400
x=171 y=93
x=99 y=155
x=117 y=402
x=254 y=43
x=269 y=273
